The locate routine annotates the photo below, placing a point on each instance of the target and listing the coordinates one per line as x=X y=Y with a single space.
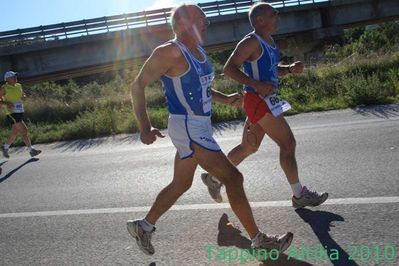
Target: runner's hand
x=148 y=137
x=263 y=88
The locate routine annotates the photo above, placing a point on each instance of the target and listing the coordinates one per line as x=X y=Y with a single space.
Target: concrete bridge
x=79 y=48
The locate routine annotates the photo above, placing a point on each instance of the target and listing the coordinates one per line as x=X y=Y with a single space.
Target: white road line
x=212 y=206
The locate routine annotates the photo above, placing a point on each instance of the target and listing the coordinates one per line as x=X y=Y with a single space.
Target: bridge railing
x=127 y=21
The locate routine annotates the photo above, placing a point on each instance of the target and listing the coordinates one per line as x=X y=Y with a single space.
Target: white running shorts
x=185 y=130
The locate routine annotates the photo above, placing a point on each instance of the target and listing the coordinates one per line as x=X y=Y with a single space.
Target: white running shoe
x=143 y=238
x=213 y=187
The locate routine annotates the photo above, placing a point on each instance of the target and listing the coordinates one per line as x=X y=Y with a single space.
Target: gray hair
x=256 y=10
x=182 y=11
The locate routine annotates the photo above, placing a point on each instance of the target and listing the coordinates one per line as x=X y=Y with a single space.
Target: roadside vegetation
x=362 y=69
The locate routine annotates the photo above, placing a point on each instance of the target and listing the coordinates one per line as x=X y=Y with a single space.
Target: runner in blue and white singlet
x=190 y=93
x=189 y=98
x=189 y=101
x=265 y=67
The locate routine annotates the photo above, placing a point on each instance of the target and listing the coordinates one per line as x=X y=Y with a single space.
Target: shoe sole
x=217 y=199
x=287 y=243
x=35 y=154
x=134 y=234
x=297 y=206
x=321 y=202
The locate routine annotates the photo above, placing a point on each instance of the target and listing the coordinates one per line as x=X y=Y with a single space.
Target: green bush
x=358 y=89
x=381 y=39
x=368 y=75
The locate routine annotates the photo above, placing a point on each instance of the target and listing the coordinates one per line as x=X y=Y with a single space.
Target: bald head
x=184 y=14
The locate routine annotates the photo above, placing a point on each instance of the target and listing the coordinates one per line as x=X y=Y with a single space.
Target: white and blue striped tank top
x=190 y=93
x=265 y=67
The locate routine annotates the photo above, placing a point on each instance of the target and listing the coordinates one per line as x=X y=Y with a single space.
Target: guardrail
x=128 y=21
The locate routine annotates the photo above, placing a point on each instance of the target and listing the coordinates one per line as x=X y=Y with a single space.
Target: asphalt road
x=69 y=206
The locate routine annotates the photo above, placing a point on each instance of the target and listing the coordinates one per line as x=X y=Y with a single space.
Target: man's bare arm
x=232 y=99
x=156 y=65
x=23 y=97
x=243 y=52
x=2 y=92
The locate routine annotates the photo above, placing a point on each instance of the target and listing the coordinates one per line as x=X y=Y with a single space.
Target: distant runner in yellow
x=12 y=95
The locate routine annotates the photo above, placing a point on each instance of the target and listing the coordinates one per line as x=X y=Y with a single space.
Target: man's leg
x=182 y=180
x=23 y=129
x=280 y=132
x=142 y=229
x=252 y=137
x=13 y=134
x=11 y=138
x=217 y=164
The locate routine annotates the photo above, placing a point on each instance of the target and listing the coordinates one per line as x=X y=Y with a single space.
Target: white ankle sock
x=147 y=226
x=30 y=148
x=297 y=189
x=6 y=146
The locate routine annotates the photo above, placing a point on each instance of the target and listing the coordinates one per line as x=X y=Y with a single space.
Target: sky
x=18 y=14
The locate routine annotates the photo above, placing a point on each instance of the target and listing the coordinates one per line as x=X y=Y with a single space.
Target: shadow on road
x=219 y=128
x=321 y=222
x=231 y=236
x=85 y=144
x=381 y=111
x=1 y=169
x=31 y=160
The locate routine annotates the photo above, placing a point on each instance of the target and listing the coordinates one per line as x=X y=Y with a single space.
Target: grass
x=351 y=75
x=95 y=110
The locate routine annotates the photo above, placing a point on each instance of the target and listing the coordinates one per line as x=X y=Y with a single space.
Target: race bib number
x=206 y=82
x=18 y=107
x=276 y=105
